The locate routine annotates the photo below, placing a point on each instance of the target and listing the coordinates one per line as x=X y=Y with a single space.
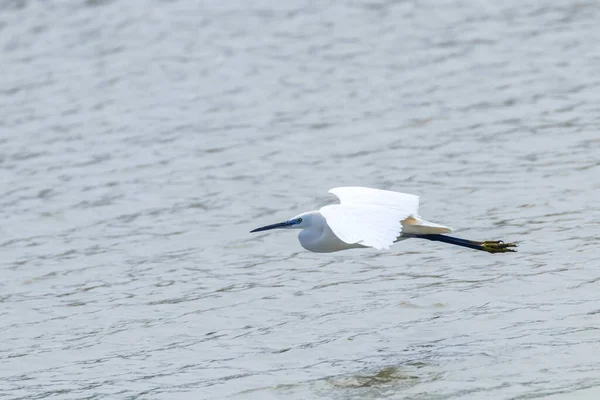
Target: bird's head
x=300 y=221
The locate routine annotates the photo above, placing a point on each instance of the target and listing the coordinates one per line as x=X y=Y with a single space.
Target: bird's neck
x=311 y=237
x=319 y=238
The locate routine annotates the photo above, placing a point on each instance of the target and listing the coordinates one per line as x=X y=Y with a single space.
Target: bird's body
x=319 y=238
x=375 y=218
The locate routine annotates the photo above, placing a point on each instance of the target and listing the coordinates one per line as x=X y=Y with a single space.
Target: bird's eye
x=299 y=220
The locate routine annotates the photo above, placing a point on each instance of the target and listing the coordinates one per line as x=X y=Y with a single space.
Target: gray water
x=141 y=140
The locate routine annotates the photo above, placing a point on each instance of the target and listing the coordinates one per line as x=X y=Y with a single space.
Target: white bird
x=372 y=218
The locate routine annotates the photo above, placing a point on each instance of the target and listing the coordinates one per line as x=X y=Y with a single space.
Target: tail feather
x=490 y=246
x=418 y=226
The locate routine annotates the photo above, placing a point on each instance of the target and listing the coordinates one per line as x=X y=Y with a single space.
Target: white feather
x=370 y=217
x=408 y=203
x=371 y=226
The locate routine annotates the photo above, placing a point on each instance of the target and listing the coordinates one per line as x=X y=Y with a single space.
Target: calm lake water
x=141 y=140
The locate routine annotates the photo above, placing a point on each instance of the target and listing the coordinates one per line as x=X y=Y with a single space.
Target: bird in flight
x=374 y=218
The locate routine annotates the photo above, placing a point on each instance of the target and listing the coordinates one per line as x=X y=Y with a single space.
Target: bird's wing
x=407 y=203
x=372 y=226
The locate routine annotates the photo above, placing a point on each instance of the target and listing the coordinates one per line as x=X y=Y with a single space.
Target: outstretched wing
x=408 y=203
x=370 y=217
x=372 y=226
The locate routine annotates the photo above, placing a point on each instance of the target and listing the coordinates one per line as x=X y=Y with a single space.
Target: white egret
x=372 y=218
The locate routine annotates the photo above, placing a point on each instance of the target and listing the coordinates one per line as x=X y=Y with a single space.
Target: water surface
x=141 y=140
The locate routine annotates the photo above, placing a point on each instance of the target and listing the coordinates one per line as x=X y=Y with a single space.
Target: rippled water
x=141 y=140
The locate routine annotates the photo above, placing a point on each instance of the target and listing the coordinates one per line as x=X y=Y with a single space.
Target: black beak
x=273 y=226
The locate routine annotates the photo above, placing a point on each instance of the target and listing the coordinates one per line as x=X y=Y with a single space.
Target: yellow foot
x=497 y=246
